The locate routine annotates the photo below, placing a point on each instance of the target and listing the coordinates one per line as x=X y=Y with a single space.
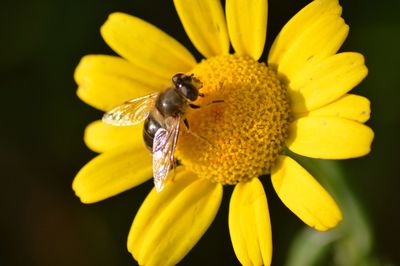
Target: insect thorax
x=171 y=103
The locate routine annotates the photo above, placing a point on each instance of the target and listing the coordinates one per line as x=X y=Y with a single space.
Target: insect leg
x=195 y=106
x=186 y=123
x=174 y=166
x=214 y=101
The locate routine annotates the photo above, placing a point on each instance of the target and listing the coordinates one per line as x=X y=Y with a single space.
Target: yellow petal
x=298 y=24
x=106 y=81
x=326 y=81
x=303 y=195
x=350 y=106
x=117 y=67
x=329 y=138
x=101 y=137
x=204 y=23
x=146 y=46
x=169 y=223
x=247 y=26
x=313 y=34
x=112 y=173
x=249 y=224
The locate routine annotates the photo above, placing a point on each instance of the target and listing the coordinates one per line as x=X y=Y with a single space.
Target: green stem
x=351 y=242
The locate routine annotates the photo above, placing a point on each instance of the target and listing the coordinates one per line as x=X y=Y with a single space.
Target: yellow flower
x=298 y=100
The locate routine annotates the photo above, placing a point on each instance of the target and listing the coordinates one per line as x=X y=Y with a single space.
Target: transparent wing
x=131 y=112
x=164 y=145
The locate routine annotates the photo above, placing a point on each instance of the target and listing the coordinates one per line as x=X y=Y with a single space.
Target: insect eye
x=189 y=92
x=178 y=80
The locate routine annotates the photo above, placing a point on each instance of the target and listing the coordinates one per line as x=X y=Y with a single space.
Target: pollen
x=241 y=126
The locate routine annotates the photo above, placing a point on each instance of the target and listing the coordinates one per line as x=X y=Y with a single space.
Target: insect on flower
x=162 y=112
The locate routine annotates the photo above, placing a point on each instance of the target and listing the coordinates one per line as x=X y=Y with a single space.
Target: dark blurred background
x=43 y=223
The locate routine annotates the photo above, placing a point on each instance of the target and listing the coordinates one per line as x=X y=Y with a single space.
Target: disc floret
x=240 y=138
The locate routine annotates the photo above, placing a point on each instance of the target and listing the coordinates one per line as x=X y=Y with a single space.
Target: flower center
x=240 y=138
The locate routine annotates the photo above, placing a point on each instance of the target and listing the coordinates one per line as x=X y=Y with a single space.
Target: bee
x=162 y=113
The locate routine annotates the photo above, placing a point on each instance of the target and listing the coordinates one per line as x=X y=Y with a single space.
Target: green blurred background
x=43 y=223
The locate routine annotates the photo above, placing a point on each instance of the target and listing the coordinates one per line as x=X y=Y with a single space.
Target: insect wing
x=131 y=112
x=164 y=145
